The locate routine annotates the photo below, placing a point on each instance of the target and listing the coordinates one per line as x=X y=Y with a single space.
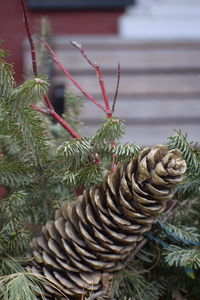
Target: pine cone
x=92 y=235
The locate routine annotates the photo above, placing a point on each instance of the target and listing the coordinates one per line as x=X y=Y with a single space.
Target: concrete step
x=148 y=69
x=148 y=121
x=107 y=51
x=134 y=86
x=149 y=134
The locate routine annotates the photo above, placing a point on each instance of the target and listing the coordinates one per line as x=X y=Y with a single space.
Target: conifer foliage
x=38 y=174
x=42 y=164
x=102 y=228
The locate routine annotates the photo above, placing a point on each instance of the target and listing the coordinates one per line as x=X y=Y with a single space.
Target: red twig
x=65 y=124
x=50 y=111
x=55 y=58
x=29 y=35
x=99 y=76
x=42 y=110
x=102 y=85
x=60 y=120
x=117 y=88
x=48 y=102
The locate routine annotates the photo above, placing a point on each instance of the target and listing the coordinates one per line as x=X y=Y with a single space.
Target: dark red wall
x=63 y=22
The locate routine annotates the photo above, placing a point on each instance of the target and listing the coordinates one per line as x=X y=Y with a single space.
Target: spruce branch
x=14 y=238
x=183 y=234
x=109 y=112
x=125 y=152
x=6 y=79
x=30 y=92
x=75 y=153
x=9 y=264
x=14 y=174
x=179 y=141
x=112 y=129
x=70 y=178
x=21 y=284
x=189 y=188
x=182 y=257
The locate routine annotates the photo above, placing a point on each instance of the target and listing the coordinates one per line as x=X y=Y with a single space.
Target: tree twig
x=99 y=76
x=60 y=120
x=66 y=72
x=50 y=111
x=117 y=87
x=65 y=124
x=29 y=35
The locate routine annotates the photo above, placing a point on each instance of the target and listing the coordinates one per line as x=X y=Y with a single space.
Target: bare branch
x=30 y=38
x=60 y=120
x=117 y=88
x=55 y=58
x=99 y=76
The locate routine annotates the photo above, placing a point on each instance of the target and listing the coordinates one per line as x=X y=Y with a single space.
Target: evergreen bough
x=38 y=175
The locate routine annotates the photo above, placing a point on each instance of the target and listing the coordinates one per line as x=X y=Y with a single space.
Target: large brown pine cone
x=91 y=236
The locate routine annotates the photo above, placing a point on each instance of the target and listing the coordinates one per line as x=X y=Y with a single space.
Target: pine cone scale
x=100 y=229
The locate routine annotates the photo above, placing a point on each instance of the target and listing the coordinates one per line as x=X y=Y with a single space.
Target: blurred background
x=156 y=42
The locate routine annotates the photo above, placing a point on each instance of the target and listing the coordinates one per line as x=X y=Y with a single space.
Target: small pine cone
x=92 y=235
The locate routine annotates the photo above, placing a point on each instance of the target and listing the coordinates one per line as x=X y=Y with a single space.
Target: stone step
x=156 y=69
x=148 y=121
x=147 y=110
x=131 y=55
x=145 y=135
x=133 y=86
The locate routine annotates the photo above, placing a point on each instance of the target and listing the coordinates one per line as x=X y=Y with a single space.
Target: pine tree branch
x=6 y=77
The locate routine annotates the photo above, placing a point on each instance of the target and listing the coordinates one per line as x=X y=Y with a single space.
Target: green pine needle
x=75 y=152
x=184 y=232
x=182 y=257
x=6 y=78
x=30 y=92
x=14 y=174
x=90 y=175
x=20 y=286
x=128 y=284
x=14 y=238
x=188 y=189
x=179 y=141
x=125 y=152
x=110 y=131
